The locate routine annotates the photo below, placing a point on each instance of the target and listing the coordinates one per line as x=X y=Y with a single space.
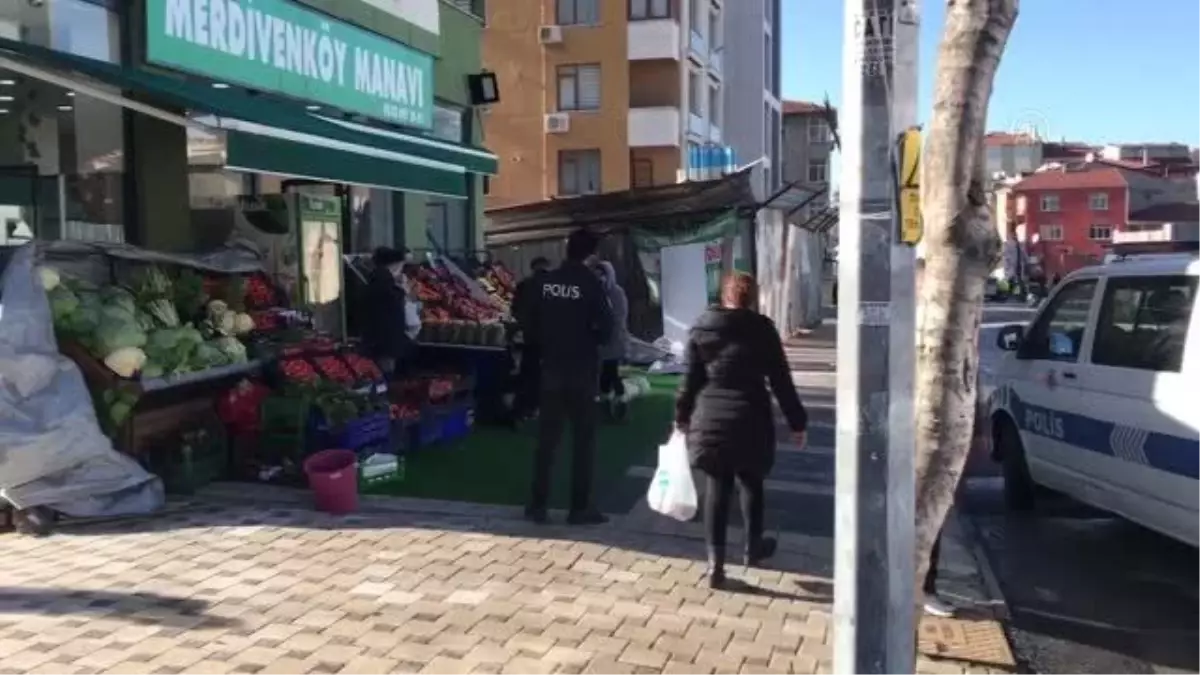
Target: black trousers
x=930 y=585
x=567 y=396
x=529 y=380
x=718 y=491
x=610 y=378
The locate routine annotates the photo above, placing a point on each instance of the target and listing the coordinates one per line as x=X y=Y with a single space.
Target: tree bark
x=961 y=249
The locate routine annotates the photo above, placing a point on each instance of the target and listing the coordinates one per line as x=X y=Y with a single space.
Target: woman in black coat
x=724 y=407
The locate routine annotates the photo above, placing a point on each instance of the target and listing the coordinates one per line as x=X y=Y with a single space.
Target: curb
x=990 y=582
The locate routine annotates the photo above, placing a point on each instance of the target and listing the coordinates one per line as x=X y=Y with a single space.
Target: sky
x=1095 y=71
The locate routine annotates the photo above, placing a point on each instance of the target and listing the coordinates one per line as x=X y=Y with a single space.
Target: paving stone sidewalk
x=220 y=584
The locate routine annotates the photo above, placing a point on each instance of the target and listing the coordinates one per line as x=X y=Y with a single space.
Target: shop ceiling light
x=8 y=83
x=6 y=98
x=3 y=111
x=64 y=108
x=312 y=108
x=220 y=85
x=70 y=94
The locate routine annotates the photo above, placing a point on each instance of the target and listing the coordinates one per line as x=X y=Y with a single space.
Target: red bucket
x=333 y=477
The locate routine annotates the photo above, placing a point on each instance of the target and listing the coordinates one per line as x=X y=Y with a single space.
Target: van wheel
x=1018 y=485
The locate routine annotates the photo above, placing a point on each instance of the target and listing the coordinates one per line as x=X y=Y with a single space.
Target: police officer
x=573 y=319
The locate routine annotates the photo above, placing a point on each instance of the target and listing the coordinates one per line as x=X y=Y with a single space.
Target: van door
x=1045 y=392
x=1145 y=454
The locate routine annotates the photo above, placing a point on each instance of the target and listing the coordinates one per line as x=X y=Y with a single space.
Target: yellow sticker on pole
x=908 y=193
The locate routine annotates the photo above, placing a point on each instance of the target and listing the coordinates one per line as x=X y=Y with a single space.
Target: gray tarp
x=52 y=452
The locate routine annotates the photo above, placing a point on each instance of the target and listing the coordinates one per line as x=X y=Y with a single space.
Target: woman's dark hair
x=385 y=256
x=739 y=291
x=581 y=244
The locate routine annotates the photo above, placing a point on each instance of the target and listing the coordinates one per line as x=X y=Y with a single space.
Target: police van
x=1099 y=396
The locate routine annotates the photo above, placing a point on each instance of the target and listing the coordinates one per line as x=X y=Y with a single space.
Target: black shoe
x=716 y=577
x=536 y=515
x=589 y=517
x=765 y=548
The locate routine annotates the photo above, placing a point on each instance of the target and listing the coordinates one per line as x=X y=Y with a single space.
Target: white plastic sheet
x=672 y=490
x=52 y=452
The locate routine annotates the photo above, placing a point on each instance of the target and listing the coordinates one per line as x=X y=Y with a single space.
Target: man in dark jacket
x=385 y=333
x=525 y=297
x=573 y=319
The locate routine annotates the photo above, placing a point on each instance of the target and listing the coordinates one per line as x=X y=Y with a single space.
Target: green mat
x=494 y=465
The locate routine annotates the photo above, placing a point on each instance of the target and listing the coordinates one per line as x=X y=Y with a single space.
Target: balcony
x=654 y=127
x=697 y=125
x=714 y=133
x=653 y=39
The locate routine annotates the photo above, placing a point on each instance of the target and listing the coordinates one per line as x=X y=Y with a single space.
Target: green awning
x=272 y=136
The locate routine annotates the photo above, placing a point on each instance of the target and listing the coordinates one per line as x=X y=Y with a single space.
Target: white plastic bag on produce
x=672 y=490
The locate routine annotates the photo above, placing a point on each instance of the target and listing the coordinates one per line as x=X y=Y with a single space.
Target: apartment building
x=604 y=95
x=753 y=123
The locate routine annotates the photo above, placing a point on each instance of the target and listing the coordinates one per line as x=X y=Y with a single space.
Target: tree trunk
x=961 y=248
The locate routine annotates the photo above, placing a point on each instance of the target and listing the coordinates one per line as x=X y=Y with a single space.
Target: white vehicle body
x=1099 y=390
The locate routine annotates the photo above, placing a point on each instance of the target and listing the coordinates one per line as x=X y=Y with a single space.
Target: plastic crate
x=429 y=428
x=457 y=421
x=373 y=429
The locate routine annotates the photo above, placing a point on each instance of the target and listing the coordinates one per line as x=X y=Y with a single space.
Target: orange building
x=600 y=95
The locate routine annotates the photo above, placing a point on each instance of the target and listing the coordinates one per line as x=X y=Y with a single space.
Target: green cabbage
x=208 y=355
x=233 y=348
x=114 y=334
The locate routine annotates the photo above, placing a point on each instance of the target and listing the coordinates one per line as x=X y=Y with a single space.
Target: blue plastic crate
x=457 y=421
x=374 y=429
x=429 y=429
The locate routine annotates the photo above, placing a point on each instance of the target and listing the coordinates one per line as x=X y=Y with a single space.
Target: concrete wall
x=743 y=127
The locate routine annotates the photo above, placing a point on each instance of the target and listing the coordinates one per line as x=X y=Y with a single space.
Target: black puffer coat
x=723 y=401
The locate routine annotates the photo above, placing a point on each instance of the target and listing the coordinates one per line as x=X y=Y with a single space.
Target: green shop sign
x=277 y=46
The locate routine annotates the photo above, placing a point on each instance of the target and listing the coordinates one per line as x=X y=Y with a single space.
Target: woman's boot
x=716 y=567
x=760 y=550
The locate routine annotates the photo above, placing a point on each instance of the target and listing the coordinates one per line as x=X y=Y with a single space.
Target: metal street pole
x=874 y=609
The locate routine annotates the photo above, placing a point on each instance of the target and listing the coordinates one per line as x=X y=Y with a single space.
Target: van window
x=1144 y=322
x=1058 y=333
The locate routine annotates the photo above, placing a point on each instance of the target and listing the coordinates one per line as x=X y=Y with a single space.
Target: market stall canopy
x=664 y=206
x=265 y=135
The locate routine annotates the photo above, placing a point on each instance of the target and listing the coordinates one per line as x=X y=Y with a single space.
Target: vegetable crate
x=202 y=457
x=367 y=433
x=444 y=423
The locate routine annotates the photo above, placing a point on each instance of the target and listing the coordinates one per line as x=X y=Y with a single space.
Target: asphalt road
x=1087 y=592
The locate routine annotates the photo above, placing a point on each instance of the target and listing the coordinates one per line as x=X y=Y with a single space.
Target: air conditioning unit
x=558 y=123
x=549 y=35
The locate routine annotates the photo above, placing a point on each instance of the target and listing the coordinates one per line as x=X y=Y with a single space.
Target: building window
x=696 y=20
x=714 y=29
x=1051 y=232
x=818 y=131
x=1098 y=201
x=578 y=12
x=695 y=94
x=1144 y=323
x=1049 y=203
x=649 y=9
x=62 y=163
x=768 y=60
x=448 y=123
x=714 y=105
x=89 y=28
x=578 y=172
x=1020 y=205
x=1100 y=232
x=641 y=172
x=579 y=87
x=818 y=171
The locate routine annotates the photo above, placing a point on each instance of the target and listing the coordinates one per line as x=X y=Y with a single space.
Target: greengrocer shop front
x=184 y=128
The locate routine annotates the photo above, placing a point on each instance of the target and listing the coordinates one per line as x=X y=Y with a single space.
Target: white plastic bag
x=672 y=491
